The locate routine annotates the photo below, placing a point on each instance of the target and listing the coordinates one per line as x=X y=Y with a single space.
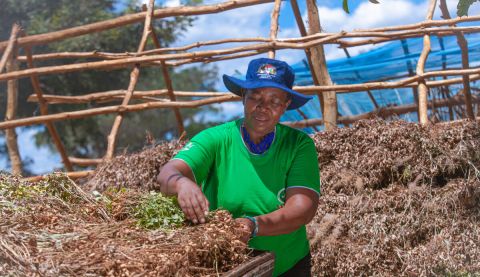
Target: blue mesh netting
x=391 y=61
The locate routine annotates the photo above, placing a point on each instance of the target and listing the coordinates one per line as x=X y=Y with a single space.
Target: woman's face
x=263 y=108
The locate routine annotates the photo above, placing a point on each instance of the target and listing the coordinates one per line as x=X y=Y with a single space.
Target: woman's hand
x=175 y=178
x=246 y=228
x=191 y=199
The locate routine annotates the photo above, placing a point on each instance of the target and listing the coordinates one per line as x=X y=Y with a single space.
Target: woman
x=264 y=173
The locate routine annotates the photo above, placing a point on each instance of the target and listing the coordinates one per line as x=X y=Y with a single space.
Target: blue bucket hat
x=264 y=73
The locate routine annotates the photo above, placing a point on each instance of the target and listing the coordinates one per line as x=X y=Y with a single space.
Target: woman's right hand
x=192 y=201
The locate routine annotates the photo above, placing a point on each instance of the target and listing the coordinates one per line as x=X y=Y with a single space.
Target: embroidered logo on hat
x=266 y=71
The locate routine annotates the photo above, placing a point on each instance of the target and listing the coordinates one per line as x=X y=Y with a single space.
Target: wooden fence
x=311 y=42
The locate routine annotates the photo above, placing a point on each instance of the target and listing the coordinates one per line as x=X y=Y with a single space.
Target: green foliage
x=347 y=10
x=12 y=188
x=345 y=6
x=156 y=211
x=463 y=6
x=60 y=186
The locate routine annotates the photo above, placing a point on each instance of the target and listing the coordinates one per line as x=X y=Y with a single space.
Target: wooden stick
x=115 y=109
x=124 y=62
x=132 y=18
x=382 y=112
x=147 y=29
x=380 y=37
x=106 y=55
x=274 y=25
x=214 y=59
x=84 y=162
x=422 y=87
x=462 y=43
x=404 y=35
x=409 y=82
x=305 y=117
x=44 y=111
x=120 y=63
x=169 y=85
x=72 y=175
x=108 y=96
x=10 y=46
x=11 y=113
x=303 y=33
x=320 y=68
x=196 y=103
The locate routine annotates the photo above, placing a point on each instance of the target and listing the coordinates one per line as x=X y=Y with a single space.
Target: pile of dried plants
x=374 y=154
x=398 y=199
x=137 y=171
x=54 y=228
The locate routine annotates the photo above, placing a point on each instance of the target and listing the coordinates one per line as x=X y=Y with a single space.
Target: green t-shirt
x=248 y=184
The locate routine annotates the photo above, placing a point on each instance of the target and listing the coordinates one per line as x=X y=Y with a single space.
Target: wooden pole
x=320 y=69
x=114 y=95
x=168 y=84
x=11 y=112
x=116 y=109
x=84 y=162
x=132 y=18
x=274 y=25
x=463 y=44
x=147 y=29
x=381 y=37
x=303 y=33
x=72 y=175
x=151 y=59
x=422 y=87
x=404 y=83
x=12 y=41
x=44 y=111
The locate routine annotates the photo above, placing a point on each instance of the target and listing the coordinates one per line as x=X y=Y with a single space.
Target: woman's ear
x=244 y=94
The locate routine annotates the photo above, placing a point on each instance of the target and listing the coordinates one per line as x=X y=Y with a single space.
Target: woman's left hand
x=246 y=229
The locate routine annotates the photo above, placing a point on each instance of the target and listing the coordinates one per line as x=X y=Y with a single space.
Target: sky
x=255 y=22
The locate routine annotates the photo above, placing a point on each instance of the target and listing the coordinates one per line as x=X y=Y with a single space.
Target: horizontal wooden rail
x=72 y=175
x=129 y=19
x=84 y=161
x=375 y=37
x=382 y=112
x=114 y=94
x=115 y=109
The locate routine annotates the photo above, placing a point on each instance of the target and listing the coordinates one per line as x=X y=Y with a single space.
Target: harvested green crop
x=12 y=188
x=155 y=211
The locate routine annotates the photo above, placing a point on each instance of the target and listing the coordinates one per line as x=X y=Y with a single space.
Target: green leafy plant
x=463 y=6
x=347 y=10
x=155 y=211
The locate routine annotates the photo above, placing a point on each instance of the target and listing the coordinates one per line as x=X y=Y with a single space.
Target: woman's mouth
x=261 y=118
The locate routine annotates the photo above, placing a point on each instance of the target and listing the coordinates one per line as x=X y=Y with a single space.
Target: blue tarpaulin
x=392 y=61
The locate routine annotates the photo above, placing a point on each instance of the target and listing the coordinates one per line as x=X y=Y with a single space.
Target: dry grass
x=398 y=199
x=406 y=201
x=69 y=233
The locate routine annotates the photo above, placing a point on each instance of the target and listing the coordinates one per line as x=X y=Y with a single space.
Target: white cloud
x=172 y=3
x=368 y=15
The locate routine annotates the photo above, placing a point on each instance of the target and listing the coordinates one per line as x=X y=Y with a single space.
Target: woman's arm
x=300 y=208
x=176 y=178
